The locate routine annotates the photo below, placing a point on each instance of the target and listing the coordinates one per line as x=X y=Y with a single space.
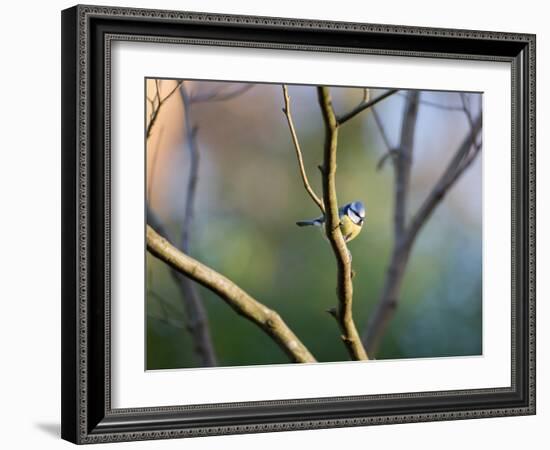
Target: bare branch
x=381 y=129
x=390 y=151
x=161 y=101
x=245 y=305
x=307 y=186
x=385 y=309
x=191 y=139
x=364 y=105
x=350 y=336
x=403 y=163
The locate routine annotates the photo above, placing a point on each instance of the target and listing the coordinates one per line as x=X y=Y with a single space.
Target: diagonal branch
x=307 y=186
x=196 y=316
x=364 y=105
x=464 y=156
x=344 y=315
x=245 y=305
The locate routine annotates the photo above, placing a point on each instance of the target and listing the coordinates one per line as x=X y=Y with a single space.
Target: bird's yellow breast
x=349 y=229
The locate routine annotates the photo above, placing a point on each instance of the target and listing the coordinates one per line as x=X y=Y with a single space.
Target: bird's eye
x=354 y=216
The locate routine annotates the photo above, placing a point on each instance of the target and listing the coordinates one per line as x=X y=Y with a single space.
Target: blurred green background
x=250 y=194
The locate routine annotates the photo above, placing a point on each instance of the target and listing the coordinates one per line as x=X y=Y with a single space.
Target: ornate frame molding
x=87 y=422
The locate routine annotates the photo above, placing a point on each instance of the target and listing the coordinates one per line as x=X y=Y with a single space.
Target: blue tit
x=351 y=215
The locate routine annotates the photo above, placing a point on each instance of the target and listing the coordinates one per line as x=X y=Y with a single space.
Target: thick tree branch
x=344 y=315
x=196 y=317
x=245 y=305
x=364 y=105
x=307 y=186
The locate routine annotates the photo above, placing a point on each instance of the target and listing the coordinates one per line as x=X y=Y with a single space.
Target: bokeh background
x=250 y=194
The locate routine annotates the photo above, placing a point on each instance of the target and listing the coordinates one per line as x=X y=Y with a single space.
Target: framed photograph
x=281 y=224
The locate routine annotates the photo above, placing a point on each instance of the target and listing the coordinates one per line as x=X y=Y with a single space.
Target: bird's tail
x=306 y=223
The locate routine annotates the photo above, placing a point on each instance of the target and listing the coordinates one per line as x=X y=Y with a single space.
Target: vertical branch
x=350 y=336
x=191 y=138
x=402 y=163
x=405 y=235
x=197 y=319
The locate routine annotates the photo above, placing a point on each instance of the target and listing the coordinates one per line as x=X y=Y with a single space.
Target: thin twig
x=307 y=186
x=245 y=305
x=381 y=129
x=391 y=152
x=350 y=336
x=364 y=105
x=161 y=101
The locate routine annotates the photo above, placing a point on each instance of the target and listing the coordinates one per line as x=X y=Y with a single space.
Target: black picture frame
x=87 y=416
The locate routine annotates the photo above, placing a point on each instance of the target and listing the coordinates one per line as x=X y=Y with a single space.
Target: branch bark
x=344 y=316
x=245 y=305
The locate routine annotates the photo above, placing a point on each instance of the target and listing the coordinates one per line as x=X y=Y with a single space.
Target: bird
x=351 y=216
